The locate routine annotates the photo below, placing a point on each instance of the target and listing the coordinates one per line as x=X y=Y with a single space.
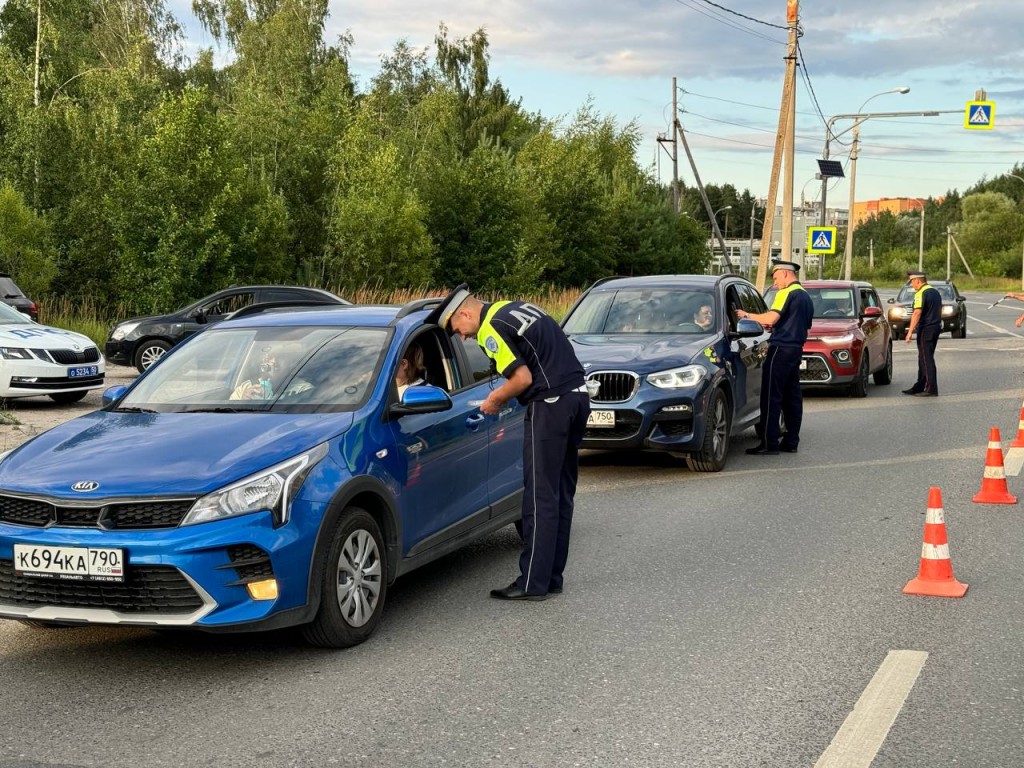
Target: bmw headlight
x=678 y=378
x=123 y=330
x=15 y=353
x=838 y=341
x=272 y=489
x=898 y=312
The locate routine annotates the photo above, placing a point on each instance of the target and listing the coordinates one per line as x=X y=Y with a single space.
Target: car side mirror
x=424 y=398
x=871 y=312
x=745 y=327
x=892 y=301
x=200 y=317
x=113 y=394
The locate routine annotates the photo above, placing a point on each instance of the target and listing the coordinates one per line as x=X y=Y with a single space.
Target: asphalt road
x=732 y=619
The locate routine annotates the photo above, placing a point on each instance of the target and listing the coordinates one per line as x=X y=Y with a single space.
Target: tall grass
x=94 y=320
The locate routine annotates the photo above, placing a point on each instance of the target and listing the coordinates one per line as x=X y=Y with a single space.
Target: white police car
x=39 y=360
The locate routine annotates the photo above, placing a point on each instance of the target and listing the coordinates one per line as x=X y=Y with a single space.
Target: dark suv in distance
x=12 y=295
x=954 y=309
x=141 y=341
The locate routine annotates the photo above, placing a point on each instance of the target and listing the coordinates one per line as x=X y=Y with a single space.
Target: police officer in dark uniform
x=541 y=370
x=789 y=317
x=927 y=320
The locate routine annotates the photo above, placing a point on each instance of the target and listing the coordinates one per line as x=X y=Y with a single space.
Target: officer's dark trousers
x=554 y=432
x=781 y=395
x=927 y=339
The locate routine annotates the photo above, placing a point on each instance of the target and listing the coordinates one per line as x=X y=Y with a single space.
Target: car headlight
x=123 y=330
x=678 y=378
x=948 y=310
x=15 y=353
x=272 y=489
x=898 y=312
x=838 y=341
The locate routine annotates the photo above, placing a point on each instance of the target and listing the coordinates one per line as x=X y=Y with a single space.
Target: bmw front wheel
x=717 y=426
x=353 y=584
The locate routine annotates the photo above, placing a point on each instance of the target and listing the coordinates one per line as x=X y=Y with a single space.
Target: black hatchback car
x=12 y=295
x=954 y=309
x=677 y=371
x=141 y=341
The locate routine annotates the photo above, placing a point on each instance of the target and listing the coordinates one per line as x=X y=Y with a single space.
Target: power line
x=748 y=18
x=727 y=22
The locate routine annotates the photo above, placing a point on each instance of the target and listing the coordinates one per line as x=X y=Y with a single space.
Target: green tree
x=26 y=251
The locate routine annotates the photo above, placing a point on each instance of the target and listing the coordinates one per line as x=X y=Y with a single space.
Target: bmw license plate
x=601 y=419
x=83 y=371
x=73 y=563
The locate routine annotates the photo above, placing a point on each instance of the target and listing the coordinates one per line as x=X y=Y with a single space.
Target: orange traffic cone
x=1018 y=441
x=935 y=576
x=993 y=484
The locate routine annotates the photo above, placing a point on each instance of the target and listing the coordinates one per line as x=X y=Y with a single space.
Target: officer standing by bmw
x=541 y=370
x=790 y=318
x=927 y=319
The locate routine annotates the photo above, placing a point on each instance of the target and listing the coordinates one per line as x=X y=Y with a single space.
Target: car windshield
x=657 y=310
x=945 y=290
x=832 y=302
x=290 y=369
x=10 y=316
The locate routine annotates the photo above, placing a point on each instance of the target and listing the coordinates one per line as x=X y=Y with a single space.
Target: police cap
x=451 y=303
x=914 y=275
x=791 y=266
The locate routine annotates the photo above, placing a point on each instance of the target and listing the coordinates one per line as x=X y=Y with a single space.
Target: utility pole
x=853 y=186
x=792 y=13
x=674 y=154
x=786 y=113
x=920 y=242
x=704 y=196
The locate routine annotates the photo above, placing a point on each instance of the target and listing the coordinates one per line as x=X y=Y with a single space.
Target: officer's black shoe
x=760 y=450
x=554 y=590
x=788 y=448
x=926 y=394
x=512 y=592
x=911 y=391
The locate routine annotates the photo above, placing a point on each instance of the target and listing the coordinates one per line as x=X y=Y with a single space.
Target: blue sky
x=622 y=56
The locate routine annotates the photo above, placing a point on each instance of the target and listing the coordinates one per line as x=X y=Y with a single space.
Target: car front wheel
x=353 y=583
x=717 y=425
x=149 y=352
x=961 y=331
x=859 y=386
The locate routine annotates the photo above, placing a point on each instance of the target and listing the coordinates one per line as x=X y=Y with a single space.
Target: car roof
x=662 y=281
x=365 y=315
x=836 y=284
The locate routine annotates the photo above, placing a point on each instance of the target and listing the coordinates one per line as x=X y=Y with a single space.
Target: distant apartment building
x=894 y=205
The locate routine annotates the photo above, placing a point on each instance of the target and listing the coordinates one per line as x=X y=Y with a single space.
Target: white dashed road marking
x=865 y=729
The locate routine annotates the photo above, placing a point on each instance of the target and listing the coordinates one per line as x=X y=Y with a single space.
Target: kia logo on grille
x=84 y=486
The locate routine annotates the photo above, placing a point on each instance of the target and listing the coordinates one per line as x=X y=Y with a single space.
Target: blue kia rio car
x=265 y=473
x=677 y=371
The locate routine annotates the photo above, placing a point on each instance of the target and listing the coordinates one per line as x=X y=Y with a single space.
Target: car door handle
x=474 y=422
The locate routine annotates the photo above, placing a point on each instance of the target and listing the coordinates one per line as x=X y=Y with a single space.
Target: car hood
x=144 y=319
x=832 y=326
x=42 y=337
x=162 y=454
x=642 y=353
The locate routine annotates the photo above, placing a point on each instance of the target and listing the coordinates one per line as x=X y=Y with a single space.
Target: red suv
x=849 y=340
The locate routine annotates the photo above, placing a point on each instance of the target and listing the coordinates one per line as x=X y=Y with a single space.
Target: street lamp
x=829 y=136
x=1020 y=178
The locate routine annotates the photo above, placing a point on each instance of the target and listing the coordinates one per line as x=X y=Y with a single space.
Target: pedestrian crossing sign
x=980 y=115
x=821 y=239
